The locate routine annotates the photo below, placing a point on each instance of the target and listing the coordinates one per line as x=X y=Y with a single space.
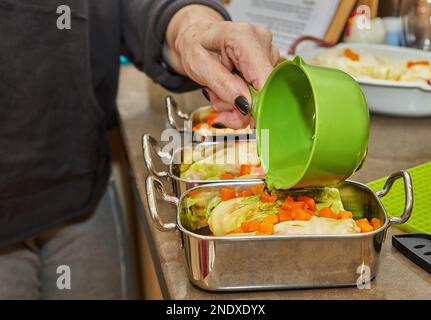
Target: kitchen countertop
x=394 y=144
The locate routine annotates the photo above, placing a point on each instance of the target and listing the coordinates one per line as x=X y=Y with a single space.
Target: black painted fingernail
x=206 y=94
x=218 y=125
x=242 y=105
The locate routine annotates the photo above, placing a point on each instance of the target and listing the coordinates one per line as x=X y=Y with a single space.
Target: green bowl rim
x=298 y=62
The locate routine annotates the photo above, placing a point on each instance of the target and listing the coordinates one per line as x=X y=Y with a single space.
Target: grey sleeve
x=144 y=24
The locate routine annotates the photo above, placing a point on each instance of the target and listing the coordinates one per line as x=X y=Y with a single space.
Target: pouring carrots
x=298 y=208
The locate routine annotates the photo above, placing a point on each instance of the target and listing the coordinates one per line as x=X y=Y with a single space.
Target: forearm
x=144 y=24
x=180 y=23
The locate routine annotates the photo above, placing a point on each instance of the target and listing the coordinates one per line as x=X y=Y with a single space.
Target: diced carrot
x=366 y=228
x=301 y=214
x=364 y=225
x=196 y=127
x=266 y=227
x=273 y=198
x=287 y=204
x=416 y=63
x=345 y=214
x=244 y=170
x=227 y=193
x=273 y=218
x=249 y=226
x=285 y=215
x=245 y=193
x=211 y=118
x=237 y=230
x=266 y=197
x=328 y=213
x=194 y=193
x=289 y=199
x=264 y=233
x=350 y=54
x=362 y=221
x=227 y=176
x=258 y=189
x=298 y=205
x=311 y=204
x=376 y=223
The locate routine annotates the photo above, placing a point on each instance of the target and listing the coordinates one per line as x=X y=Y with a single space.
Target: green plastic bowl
x=312 y=125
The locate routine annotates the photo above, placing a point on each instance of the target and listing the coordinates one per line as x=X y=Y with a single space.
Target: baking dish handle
x=149 y=143
x=172 y=111
x=150 y=184
x=408 y=190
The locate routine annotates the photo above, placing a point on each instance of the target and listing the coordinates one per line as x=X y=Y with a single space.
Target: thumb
x=233 y=120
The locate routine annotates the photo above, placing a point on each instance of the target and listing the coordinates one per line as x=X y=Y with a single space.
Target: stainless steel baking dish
x=285 y=261
x=199 y=115
x=179 y=185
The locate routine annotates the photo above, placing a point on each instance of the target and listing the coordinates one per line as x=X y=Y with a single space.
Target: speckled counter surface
x=394 y=144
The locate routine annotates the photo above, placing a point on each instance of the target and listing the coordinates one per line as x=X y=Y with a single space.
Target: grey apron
x=53 y=155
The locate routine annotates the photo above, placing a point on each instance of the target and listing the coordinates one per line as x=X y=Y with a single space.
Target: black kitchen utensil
x=416 y=247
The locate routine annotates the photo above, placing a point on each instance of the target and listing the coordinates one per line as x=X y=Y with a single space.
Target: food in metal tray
x=205 y=126
x=222 y=162
x=365 y=64
x=255 y=211
x=238 y=263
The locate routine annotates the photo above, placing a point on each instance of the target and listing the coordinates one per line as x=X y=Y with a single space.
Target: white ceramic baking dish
x=407 y=99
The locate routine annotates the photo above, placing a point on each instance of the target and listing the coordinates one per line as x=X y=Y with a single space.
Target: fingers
x=241 y=104
x=249 y=48
x=281 y=59
x=224 y=87
x=233 y=119
x=253 y=64
x=227 y=116
x=252 y=124
x=218 y=104
x=275 y=56
x=211 y=51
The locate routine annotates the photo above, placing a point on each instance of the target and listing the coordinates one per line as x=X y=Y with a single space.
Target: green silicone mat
x=420 y=219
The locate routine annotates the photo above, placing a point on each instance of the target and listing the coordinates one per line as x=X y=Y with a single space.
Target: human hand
x=207 y=49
